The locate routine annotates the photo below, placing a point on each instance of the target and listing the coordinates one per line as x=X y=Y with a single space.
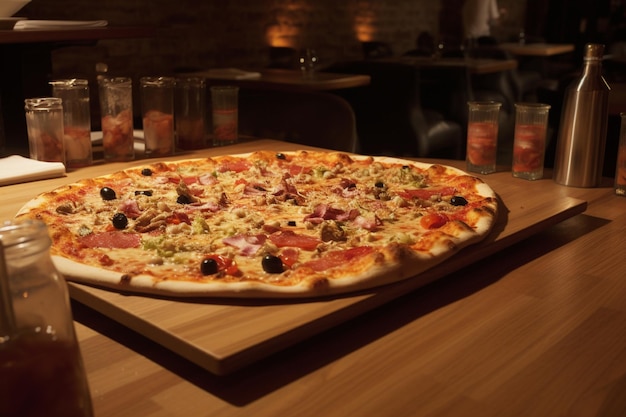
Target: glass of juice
x=620 y=169
x=529 y=142
x=225 y=114
x=74 y=94
x=157 y=102
x=482 y=136
x=116 y=110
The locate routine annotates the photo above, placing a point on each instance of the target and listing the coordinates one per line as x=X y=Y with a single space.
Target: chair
x=376 y=50
x=390 y=117
x=309 y=118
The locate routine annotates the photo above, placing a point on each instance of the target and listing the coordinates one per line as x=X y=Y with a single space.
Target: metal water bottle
x=582 y=132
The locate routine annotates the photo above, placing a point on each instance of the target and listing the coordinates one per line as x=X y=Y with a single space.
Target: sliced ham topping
x=286 y=190
x=288 y=238
x=207 y=179
x=248 y=245
x=130 y=208
x=338 y=258
x=326 y=212
x=368 y=224
x=112 y=240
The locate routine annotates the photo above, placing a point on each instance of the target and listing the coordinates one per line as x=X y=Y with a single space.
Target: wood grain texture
x=538 y=329
x=537 y=49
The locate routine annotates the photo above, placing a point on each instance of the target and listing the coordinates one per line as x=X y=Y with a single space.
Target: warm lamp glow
x=286 y=29
x=365 y=25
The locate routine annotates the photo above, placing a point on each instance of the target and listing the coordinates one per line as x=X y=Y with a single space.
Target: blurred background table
x=286 y=79
x=473 y=65
x=537 y=49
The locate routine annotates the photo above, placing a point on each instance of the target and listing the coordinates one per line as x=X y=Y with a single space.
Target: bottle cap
x=594 y=51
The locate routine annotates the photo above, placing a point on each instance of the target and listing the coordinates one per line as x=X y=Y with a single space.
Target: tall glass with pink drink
x=620 y=169
x=482 y=136
x=116 y=110
x=529 y=143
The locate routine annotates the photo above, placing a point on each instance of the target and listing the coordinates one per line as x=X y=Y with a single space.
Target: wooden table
x=537 y=49
x=539 y=329
x=473 y=65
x=72 y=34
x=290 y=80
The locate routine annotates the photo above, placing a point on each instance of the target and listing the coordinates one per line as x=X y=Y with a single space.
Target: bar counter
x=538 y=329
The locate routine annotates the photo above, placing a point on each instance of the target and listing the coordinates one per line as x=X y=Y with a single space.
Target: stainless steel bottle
x=582 y=132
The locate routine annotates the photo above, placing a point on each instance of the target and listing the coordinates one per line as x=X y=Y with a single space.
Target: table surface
x=63 y=35
x=537 y=49
x=536 y=330
x=474 y=65
x=291 y=80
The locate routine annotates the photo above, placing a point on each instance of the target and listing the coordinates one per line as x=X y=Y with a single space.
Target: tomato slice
x=433 y=220
x=225 y=264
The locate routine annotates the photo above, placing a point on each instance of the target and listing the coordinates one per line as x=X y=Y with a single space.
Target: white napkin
x=59 y=24
x=15 y=169
x=231 y=74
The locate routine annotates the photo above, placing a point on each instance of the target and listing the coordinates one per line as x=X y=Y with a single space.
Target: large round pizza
x=264 y=224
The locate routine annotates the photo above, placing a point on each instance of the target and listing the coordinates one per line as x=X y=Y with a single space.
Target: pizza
x=263 y=224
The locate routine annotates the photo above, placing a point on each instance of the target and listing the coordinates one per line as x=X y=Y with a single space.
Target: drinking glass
x=482 y=136
x=529 y=142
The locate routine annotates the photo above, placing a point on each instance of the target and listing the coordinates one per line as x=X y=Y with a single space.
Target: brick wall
x=238 y=33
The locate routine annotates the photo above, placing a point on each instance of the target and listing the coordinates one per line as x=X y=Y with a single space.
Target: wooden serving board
x=225 y=335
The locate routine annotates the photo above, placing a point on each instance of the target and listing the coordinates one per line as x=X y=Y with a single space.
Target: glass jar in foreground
x=76 y=120
x=44 y=123
x=41 y=366
x=116 y=110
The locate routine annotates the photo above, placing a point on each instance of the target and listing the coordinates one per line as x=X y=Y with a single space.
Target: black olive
x=107 y=193
x=458 y=201
x=209 y=266
x=146 y=172
x=379 y=184
x=183 y=199
x=120 y=221
x=144 y=192
x=291 y=223
x=272 y=264
x=405 y=167
x=280 y=156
